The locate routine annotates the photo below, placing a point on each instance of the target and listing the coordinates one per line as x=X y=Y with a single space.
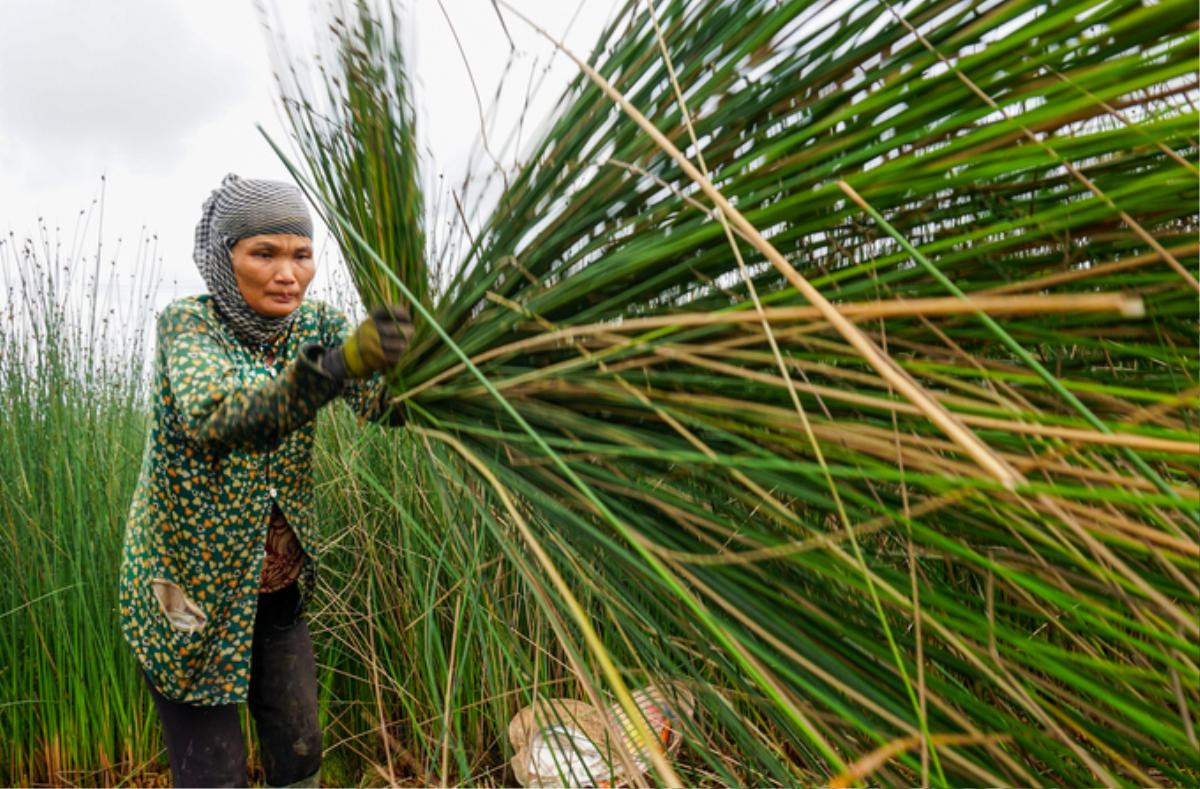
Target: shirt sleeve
x=220 y=410
x=367 y=397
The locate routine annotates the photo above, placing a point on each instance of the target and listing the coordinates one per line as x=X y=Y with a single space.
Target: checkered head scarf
x=240 y=208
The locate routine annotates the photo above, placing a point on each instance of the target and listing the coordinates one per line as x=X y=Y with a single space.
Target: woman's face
x=273 y=272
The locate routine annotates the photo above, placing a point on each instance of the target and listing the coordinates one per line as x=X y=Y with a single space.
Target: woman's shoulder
x=187 y=311
x=320 y=316
x=317 y=308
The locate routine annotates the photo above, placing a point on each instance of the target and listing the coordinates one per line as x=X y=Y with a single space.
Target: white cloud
x=120 y=82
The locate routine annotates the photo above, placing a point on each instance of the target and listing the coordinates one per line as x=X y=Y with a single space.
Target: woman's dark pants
x=205 y=745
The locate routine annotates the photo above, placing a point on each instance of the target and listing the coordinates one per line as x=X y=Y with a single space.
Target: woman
x=221 y=548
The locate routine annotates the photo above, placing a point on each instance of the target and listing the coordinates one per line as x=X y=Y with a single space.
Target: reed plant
x=73 y=710
x=838 y=360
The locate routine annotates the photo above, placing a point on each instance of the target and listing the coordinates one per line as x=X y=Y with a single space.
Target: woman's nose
x=286 y=274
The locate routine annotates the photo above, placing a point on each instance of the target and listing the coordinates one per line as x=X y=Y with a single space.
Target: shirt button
x=274 y=493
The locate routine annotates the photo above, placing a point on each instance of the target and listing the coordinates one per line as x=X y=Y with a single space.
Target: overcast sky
x=162 y=97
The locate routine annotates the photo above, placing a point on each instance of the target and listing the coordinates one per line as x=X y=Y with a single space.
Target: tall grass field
x=836 y=362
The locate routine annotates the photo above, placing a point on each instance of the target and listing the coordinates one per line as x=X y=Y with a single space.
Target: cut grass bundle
x=688 y=386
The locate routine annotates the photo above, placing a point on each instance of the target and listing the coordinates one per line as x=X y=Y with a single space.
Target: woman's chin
x=277 y=309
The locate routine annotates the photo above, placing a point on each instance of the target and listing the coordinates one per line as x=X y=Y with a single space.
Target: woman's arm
x=220 y=410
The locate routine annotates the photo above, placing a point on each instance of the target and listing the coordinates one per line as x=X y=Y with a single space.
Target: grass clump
x=74 y=709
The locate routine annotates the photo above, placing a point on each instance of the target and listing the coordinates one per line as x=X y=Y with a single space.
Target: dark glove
x=374 y=346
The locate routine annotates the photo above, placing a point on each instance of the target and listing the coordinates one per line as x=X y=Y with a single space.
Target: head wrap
x=240 y=208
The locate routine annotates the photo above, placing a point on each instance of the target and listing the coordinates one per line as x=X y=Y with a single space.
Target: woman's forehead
x=285 y=240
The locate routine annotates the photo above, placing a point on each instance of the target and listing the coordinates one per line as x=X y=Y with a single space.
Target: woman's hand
x=374 y=346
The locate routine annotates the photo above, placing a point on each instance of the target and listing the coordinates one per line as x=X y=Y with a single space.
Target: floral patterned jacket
x=232 y=434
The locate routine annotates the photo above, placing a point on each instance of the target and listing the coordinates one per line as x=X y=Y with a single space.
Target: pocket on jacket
x=181 y=611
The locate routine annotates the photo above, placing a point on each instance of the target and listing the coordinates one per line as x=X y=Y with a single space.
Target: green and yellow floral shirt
x=232 y=435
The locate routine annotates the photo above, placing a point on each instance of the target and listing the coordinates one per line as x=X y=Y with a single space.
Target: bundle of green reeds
x=838 y=359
